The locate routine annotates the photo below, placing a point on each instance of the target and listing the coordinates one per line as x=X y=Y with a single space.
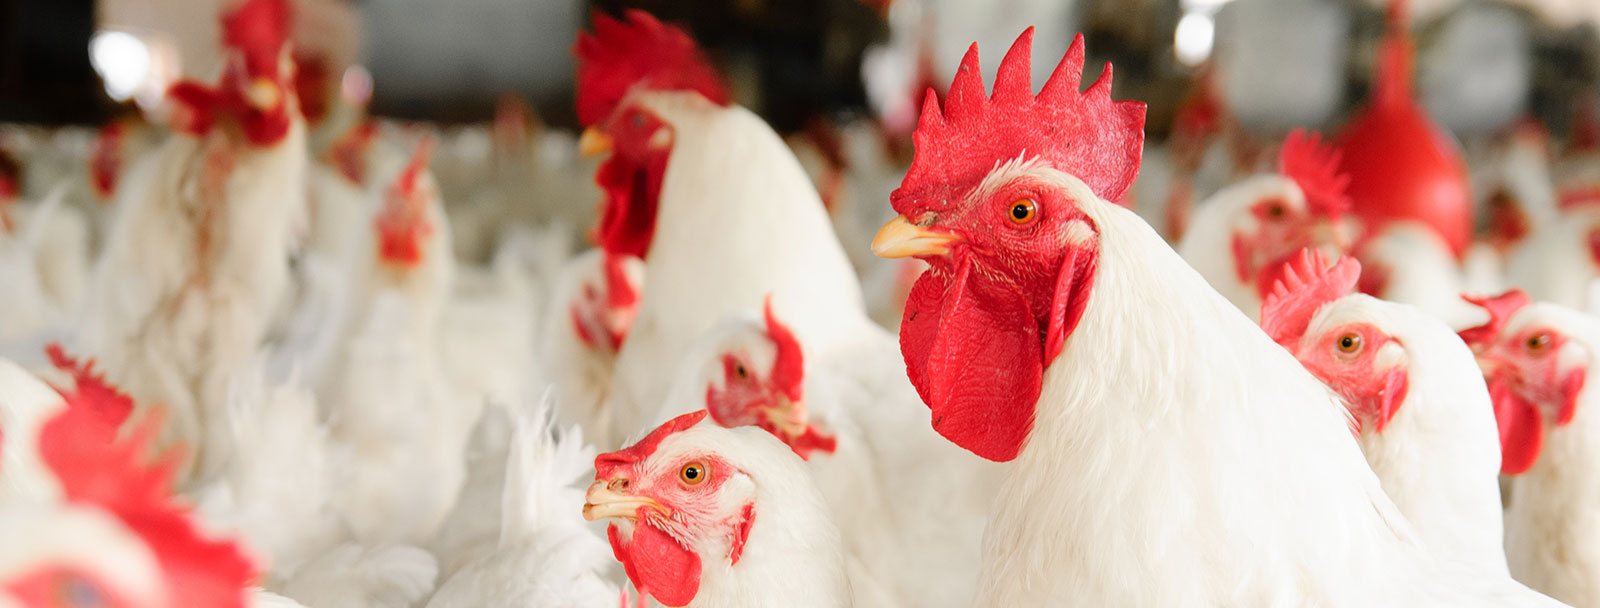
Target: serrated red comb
x=1500 y=309
x=788 y=369
x=1314 y=166
x=1086 y=134
x=1308 y=282
x=639 y=52
x=91 y=392
x=607 y=464
x=113 y=475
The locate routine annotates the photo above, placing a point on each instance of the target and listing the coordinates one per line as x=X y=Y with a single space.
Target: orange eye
x=693 y=473
x=1349 y=343
x=1023 y=210
x=1537 y=343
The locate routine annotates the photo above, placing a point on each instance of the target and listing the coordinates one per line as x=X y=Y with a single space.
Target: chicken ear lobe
x=973 y=350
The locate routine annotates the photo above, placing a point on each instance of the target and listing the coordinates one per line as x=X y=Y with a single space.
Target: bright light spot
x=1207 y=6
x=122 y=60
x=1192 y=41
x=356 y=85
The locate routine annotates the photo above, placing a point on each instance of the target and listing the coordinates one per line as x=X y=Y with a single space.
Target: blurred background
x=1482 y=64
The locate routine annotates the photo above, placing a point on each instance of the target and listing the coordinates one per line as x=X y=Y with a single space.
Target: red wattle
x=632 y=190
x=657 y=564
x=973 y=350
x=1521 y=429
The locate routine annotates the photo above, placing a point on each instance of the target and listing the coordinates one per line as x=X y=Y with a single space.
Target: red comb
x=258 y=29
x=1314 y=166
x=92 y=392
x=788 y=369
x=407 y=183
x=94 y=469
x=605 y=465
x=1308 y=282
x=640 y=51
x=403 y=222
x=1500 y=309
x=1084 y=134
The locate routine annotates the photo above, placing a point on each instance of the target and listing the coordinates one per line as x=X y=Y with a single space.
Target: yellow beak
x=594 y=142
x=602 y=502
x=901 y=239
x=263 y=94
x=789 y=417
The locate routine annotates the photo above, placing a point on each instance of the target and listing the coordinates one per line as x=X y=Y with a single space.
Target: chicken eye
x=637 y=120
x=741 y=371
x=1275 y=210
x=1538 y=342
x=1349 y=343
x=693 y=473
x=1023 y=210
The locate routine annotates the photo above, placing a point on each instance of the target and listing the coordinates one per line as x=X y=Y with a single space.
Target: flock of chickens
x=261 y=359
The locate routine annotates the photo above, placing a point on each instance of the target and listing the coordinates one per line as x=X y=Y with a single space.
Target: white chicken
x=910 y=541
x=1538 y=357
x=388 y=398
x=594 y=302
x=709 y=197
x=1165 y=450
x=1421 y=415
x=710 y=517
x=1240 y=237
x=193 y=271
x=542 y=554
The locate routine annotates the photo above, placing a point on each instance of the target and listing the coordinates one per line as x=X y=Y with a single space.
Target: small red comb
x=92 y=392
x=606 y=465
x=1308 y=282
x=1500 y=309
x=1086 y=134
x=407 y=183
x=788 y=369
x=640 y=51
x=258 y=29
x=403 y=222
x=1314 y=166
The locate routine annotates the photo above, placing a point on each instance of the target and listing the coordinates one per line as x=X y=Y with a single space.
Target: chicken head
x=1312 y=313
x=994 y=203
x=1535 y=373
x=617 y=62
x=677 y=498
x=762 y=385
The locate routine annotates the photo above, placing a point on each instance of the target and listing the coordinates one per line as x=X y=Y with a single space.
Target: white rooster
x=195 y=267
x=1164 y=450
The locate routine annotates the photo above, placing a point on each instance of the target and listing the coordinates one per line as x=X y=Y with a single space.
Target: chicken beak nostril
x=619 y=486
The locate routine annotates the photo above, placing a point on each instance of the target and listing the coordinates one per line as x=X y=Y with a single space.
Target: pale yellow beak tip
x=901 y=239
x=594 y=142
x=262 y=94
